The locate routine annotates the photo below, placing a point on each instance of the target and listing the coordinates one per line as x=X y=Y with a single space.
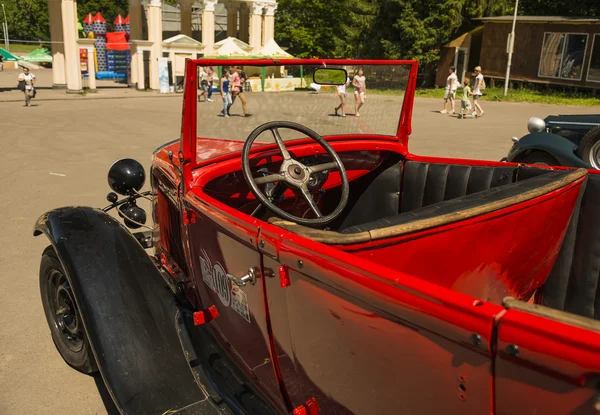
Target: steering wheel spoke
x=280 y=144
x=322 y=167
x=271 y=178
x=311 y=201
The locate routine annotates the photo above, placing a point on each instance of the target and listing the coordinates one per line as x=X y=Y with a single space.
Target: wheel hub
x=64 y=312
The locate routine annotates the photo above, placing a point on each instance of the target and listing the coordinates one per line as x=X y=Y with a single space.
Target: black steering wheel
x=294 y=173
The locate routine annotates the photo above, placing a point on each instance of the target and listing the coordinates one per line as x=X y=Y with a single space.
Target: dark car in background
x=566 y=140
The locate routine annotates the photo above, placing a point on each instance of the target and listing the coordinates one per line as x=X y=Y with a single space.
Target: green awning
x=8 y=56
x=41 y=55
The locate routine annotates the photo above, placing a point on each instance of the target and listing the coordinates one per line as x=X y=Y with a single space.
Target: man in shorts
x=238 y=79
x=203 y=76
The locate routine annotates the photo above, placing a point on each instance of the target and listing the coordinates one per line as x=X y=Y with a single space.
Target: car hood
x=569 y=120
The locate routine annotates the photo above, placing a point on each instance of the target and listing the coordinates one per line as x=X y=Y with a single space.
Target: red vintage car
x=303 y=262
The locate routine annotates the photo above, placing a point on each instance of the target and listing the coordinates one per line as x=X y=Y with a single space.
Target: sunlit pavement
x=57 y=153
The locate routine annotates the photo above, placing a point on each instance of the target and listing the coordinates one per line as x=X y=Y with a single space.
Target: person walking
x=341 y=91
x=210 y=75
x=238 y=79
x=26 y=82
x=360 y=91
x=225 y=93
x=465 y=100
x=451 y=87
x=1 y=63
x=478 y=90
x=203 y=77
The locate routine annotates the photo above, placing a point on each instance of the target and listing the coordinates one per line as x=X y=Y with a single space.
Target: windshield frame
x=189 y=120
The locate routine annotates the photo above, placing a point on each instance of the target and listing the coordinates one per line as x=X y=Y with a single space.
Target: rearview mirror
x=330 y=76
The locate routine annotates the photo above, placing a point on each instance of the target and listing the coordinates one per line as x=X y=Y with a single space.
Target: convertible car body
x=560 y=140
x=320 y=267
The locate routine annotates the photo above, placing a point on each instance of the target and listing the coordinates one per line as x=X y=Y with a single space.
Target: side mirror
x=126 y=177
x=330 y=76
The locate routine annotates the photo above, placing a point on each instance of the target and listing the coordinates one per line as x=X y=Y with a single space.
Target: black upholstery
x=457 y=204
x=573 y=284
x=425 y=184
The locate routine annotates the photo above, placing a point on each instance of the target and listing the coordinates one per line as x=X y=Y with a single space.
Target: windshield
x=233 y=101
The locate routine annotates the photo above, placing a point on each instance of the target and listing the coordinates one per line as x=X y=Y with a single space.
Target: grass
x=522 y=95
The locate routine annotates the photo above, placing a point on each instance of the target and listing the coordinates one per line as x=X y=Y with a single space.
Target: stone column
x=185 y=7
x=232 y=9
x=256 y=26
x=269 y=23
x=135 y=33
x=140 y=75
x=244 y=23
x=208 y=26
x=70 y=35
x=155 y=36
x=59 y=79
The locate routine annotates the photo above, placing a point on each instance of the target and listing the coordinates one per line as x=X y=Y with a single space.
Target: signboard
x=163 y=75
x=83 y=60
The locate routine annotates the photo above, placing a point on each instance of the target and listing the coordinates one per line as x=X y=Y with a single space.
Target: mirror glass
x=330 y=76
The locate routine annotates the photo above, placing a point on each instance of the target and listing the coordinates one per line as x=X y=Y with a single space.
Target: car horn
x=127 y=177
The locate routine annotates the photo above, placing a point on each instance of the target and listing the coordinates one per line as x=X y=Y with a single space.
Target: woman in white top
x=451 y=87
x=477 y=89
x=360 y=91
x=29 y=80
x=341 y=91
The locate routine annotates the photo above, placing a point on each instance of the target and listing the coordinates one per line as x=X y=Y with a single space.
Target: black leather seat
x=463 y=203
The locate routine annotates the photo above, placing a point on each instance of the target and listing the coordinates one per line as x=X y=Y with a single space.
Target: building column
x=70 y=35
x=185 y=7
x=244 y=23
x=269 y=26
x=59 y=80
x=269 y=23
x=208 y=26
x=140 y=75
x=91 y=69
x=232 y=9
x=256 y=26
x=155 y=36
x=135 y=33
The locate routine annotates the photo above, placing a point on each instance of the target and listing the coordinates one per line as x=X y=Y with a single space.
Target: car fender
x=127 y=309
x=559 y=147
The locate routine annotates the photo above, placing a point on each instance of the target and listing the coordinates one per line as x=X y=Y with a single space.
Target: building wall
x=529 y=38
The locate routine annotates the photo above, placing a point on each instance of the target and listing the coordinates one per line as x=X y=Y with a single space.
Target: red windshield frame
x=189 y=116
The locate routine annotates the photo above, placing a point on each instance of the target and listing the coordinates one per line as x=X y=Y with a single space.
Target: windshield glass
x=368 y=102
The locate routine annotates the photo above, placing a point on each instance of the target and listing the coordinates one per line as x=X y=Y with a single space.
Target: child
x=451 y=86
x=465 y=101
x=360 y=91
x=341 y=91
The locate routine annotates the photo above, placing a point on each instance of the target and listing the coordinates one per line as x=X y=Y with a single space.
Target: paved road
x=58 y=152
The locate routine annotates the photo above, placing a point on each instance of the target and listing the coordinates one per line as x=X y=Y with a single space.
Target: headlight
x=536 y=125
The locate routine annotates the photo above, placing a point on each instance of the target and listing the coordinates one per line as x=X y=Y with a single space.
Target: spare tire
x=589 y=147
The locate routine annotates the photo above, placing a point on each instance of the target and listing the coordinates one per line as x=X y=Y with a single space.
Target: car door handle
x=241 y=281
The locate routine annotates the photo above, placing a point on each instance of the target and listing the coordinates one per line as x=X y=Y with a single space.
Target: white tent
x=272 y=50
x=230 y=49
x=235 y=41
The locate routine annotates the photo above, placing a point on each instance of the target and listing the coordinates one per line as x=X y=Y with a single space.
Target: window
x=562 y=55
x=594 y=70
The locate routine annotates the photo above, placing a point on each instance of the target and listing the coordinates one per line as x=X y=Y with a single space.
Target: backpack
x=482 y=86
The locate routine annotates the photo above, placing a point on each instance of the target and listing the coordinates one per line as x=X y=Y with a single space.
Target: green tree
x=559 y=8
x=27 y=19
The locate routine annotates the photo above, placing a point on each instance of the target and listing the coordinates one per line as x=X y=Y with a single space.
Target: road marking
x=58 y=174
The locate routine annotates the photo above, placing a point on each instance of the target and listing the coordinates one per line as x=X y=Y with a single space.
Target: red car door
x=547 y=362
x=357 y=342
x=222 y=248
